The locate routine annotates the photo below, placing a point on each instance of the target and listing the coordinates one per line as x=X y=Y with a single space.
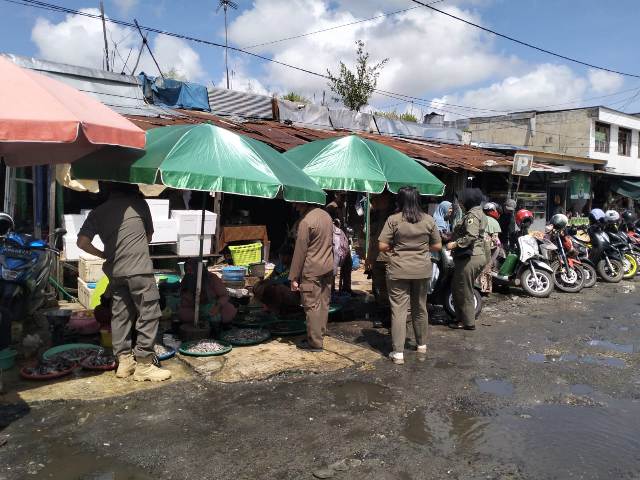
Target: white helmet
x=611 y=216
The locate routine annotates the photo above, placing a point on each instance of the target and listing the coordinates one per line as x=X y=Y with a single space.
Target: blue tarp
x=174 y=93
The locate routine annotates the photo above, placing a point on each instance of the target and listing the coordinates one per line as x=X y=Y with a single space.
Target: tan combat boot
x=146 y=370
x=126 y=365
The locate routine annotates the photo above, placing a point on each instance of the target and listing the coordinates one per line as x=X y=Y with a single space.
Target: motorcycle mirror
x=6 y=224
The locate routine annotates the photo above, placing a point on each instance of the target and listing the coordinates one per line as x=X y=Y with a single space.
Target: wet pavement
x=541 y=390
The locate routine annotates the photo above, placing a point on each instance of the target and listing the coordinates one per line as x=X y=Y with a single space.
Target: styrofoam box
x=189 y=245
x=159 y=208
x=84 y=294
x=90 y=268
x=190 y=222
x=164 y=231
x=73 y=223
x=71 y=250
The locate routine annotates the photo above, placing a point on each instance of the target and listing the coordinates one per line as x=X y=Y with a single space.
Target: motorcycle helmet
x=6 y=224
x=524 y=217
x=596 y=215
x=629 y=217
x=611 y=216
x=559 y=221
x=490 y=209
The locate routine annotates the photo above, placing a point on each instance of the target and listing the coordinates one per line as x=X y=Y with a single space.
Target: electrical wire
x=526 y=44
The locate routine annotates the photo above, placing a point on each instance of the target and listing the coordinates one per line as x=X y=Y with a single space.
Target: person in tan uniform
x=312 y=271
x=409 y=236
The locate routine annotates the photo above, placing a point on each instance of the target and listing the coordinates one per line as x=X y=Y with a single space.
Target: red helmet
x=522 y=215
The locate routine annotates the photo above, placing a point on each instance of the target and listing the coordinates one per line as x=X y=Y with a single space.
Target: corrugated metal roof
x=122 y=93
x=231 y=102
x=284 y=137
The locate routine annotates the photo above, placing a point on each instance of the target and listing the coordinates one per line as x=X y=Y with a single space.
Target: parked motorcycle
x=568 y=272
x=582 y=253
x=620 y=241
x=527 y=268
x=439 y=292
x=607 y=259
x=25 y=266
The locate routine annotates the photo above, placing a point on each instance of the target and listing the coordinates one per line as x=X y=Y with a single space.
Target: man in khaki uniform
x=125 y=227
x=312 y=271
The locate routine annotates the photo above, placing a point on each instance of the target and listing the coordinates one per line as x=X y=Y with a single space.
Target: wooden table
x=242 y=233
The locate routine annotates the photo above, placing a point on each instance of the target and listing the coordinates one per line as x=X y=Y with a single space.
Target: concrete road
x=544 y=389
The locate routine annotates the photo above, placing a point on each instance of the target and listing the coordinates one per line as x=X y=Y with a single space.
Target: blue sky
x=430 y=55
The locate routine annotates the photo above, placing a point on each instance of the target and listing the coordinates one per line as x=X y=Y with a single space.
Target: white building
x=614 y=138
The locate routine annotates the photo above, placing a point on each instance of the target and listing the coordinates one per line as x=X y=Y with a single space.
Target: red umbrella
x=44 y=121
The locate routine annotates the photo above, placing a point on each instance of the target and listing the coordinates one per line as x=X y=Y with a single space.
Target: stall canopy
x=353 y=163
x=44 y=121
x=627 y=188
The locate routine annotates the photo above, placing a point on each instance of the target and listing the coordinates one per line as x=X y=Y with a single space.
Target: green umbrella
x=356 y=164
x=206 y=158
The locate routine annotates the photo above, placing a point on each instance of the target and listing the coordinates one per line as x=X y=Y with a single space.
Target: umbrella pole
x=367 y=220
x=200 y=261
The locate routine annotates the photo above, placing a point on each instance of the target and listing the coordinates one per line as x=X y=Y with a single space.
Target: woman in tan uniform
x=408 y=236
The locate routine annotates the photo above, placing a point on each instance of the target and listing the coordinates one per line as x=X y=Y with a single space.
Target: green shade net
x=206 y=158
x=356 y=164
x=627 y=188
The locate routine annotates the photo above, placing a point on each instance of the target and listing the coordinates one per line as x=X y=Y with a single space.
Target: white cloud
x=427 y=51
x=605 y=82
x=125 y=6
x=546 y=85
x=79 y=40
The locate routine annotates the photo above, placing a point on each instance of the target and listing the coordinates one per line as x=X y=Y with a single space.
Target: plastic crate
x=84 y=294
x=90 y=268
x=244 y=255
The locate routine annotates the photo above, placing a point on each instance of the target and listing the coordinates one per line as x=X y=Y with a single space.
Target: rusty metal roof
x=284 y=137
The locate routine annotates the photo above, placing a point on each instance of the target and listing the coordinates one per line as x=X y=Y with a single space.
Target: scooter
x=25 y=266
x=528 y=268
x=581 y=252
x=629 y=253
x=607 y=259
x=439 y=292
x=568 y=271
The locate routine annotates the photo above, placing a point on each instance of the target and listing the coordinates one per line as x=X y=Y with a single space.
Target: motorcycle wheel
x=540 y=285
x=451 y=310
x=630 y=266
x=571 y=281
x=590 y=275
x=609 y=276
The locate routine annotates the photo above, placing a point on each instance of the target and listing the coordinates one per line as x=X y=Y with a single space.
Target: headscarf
x=440 y=216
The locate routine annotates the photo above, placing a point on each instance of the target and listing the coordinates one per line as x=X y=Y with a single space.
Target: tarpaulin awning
x=174 y=93
x=627 y=188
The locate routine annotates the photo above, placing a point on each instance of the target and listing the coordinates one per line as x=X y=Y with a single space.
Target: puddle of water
x=501 y=388
x=536 y=358
x=443 y=364
x=571 y=357
x=67 y=464
x=615 y=347
x=581 y=389
x=604 y=361
x=358 y=395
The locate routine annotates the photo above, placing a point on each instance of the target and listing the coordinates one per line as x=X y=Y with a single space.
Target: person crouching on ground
x=125 y=227
x=408 y=237
x=312 y=271
x=214 y=298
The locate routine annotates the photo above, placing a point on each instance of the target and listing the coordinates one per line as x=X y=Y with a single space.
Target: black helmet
x=629 y=217
x=6 y=223
x=559 y=221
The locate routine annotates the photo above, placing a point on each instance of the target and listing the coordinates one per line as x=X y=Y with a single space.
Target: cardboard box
x=90 y=268
x=190 y=222
x=164 y=231
x=84 y=294
x=159 y=208
x=189 y=245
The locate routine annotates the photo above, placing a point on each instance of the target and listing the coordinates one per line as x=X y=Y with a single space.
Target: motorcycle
x=25 y=266
x=607 y=259
x=529 y=268
x=568 y=271
x=582 y=254
x=629 y=253
x=439 y=292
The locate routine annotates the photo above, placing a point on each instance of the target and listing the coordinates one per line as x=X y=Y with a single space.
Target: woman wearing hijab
x=408 y=236
x=442 y=217
x=469 y=250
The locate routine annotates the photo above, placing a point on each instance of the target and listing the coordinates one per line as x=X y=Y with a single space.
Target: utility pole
x=225 y=4
x=145 y=43
x=104 y=32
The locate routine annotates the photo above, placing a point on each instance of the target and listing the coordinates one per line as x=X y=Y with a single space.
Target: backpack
x=340 y=246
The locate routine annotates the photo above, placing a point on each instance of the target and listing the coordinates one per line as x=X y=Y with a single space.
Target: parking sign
x=522 y=164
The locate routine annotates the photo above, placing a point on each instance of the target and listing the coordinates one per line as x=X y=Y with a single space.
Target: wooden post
x=104 y=33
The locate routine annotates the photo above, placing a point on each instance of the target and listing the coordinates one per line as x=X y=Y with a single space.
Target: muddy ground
x=544 y=389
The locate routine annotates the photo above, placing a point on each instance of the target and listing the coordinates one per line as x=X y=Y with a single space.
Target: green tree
x=354 y=88
x=407 y=117
x=295 y=97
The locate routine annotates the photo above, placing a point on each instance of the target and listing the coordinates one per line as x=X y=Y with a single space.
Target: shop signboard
x=522 y=164
x=579 y=186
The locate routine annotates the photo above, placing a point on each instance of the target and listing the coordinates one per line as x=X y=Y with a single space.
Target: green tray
x=185 y=347
x=69 y=346
x=294 y=327
x=266 y=335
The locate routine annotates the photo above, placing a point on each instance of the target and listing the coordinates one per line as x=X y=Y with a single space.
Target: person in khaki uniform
x=409 y=236
x=125 y=227
x=311 y=271
x=377 y=261
x=469 y=250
